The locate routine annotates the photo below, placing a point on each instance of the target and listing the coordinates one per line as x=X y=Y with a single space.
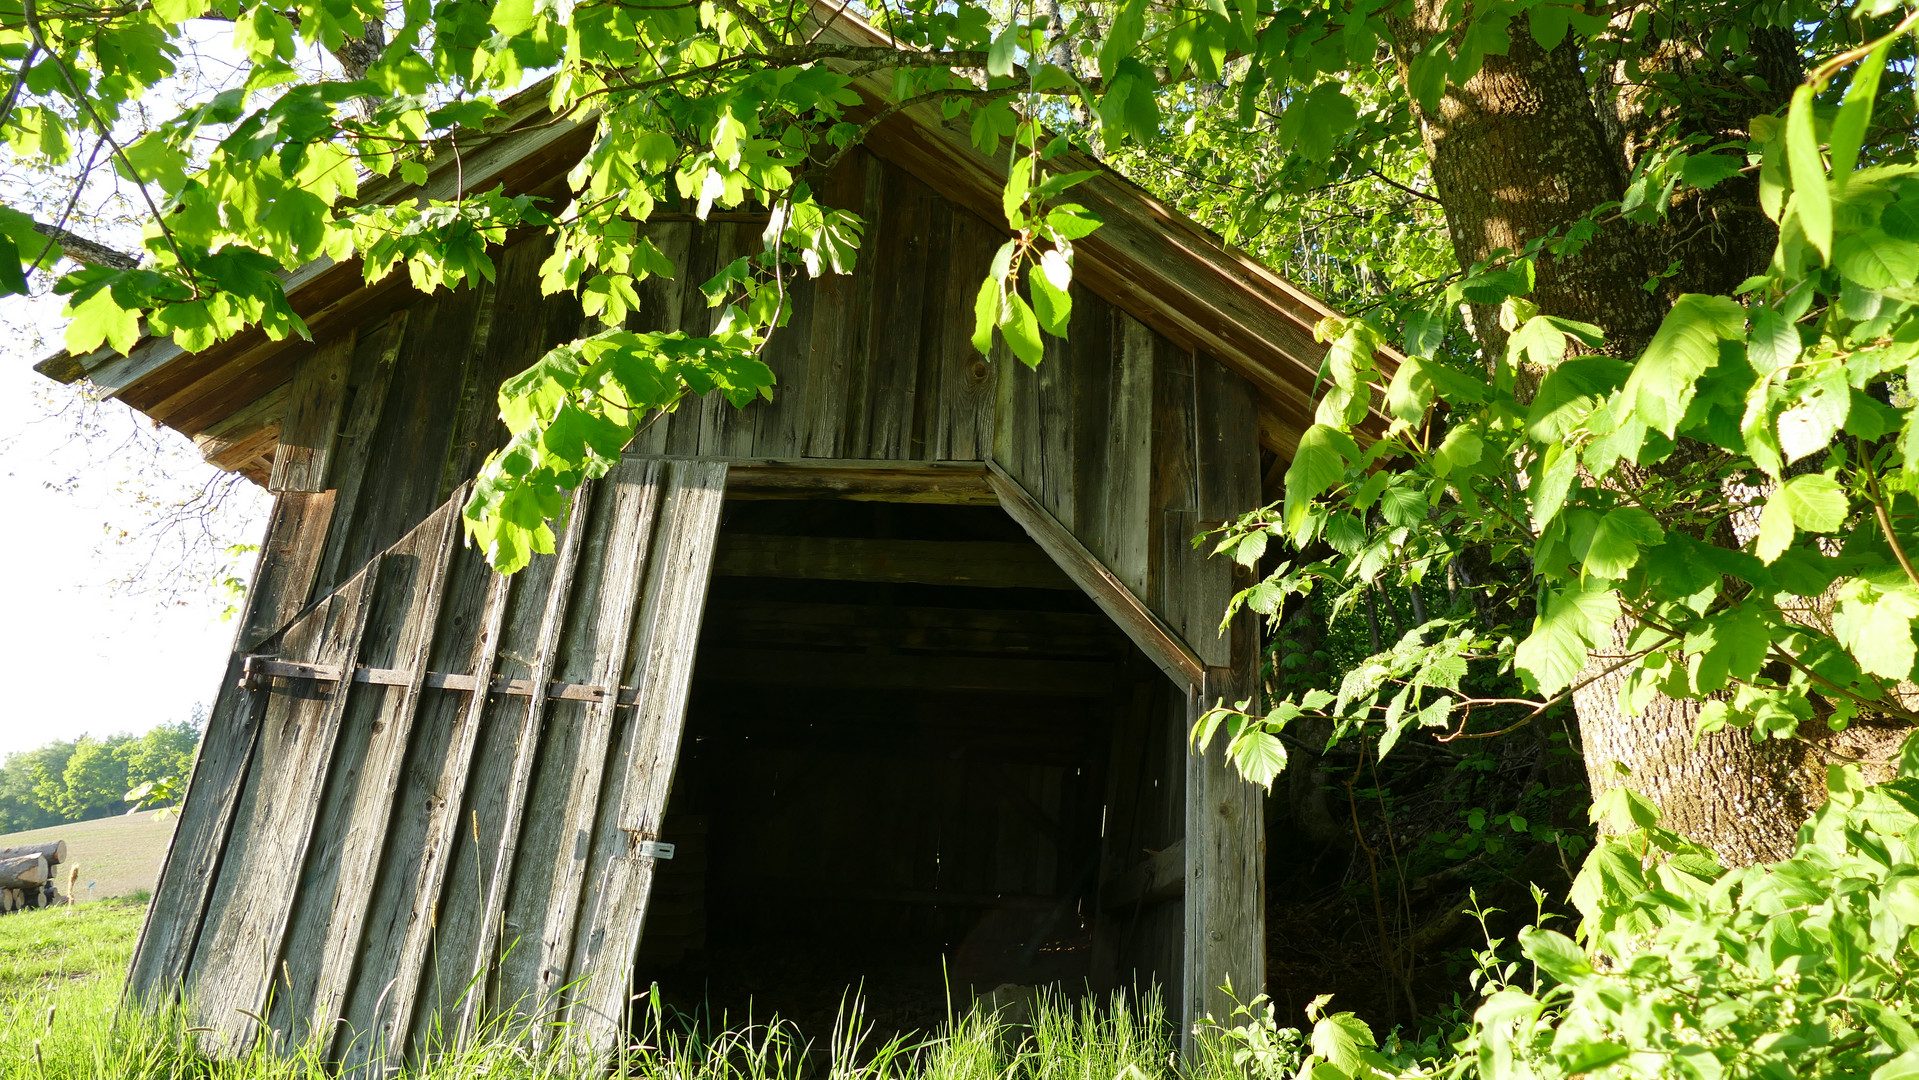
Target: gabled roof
x=1148 y=259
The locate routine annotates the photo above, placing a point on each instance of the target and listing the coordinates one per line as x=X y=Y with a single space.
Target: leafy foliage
x=1679 y=967
x=1752 y=463
x=90 y=778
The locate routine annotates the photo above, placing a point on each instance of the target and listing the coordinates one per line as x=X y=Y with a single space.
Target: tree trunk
x=1521 y=152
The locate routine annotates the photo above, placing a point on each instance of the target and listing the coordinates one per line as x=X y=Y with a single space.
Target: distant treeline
x=88 y=777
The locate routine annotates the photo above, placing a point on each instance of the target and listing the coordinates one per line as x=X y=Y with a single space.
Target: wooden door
x=424 y=808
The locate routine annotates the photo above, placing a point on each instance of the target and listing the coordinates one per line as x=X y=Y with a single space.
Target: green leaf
x=1816 y=501
x=985 y=315
x=1259 y=755
x=999 y=58
x=1021 y=329
x=1318 y=464
x=1775 y=341
x=1775 y=529
x=1571 y=391
x=1049 y=280
x=1687 y=343
x=1875 y=260
x=1875 y=625
x=1410 y=392
x=1618 y=540
x=1849 y=127
x=1575 y=620
x=512 y=17
x=1555 y=953
x=1810 y=199
x=1549 y=25
x=1461 y=449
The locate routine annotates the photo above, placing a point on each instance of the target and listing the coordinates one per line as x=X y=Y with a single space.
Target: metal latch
x=656 y=849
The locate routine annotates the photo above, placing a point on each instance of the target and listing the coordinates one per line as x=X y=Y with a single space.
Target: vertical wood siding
x=354 y=861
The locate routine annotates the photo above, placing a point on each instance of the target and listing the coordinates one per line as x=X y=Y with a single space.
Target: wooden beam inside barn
x=984 y=564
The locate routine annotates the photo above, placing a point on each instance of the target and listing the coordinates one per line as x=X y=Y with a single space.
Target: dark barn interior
x=916 y=754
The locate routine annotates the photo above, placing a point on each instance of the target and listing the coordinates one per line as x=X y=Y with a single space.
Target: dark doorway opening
x=915 y=751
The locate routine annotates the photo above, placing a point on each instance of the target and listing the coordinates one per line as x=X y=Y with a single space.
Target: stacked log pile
x=27 y=874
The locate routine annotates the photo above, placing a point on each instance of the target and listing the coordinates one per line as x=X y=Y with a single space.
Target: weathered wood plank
x=443 y=824
x=374 y=359
x=1225 y=869
x=900 y=253
x=553 y=617
x=1148 y=631
x=953 y=484
x=961 y=424
x=857 y=671
x=979 y=563
x=289 y=564
x=727 y=431
x=836 y=377
x=662 y=666
x=366 y=832
x=314 y=407
x=240 y=946
x=1114 y=475
x=632 y=495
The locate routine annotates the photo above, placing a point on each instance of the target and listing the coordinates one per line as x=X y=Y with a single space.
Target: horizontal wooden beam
x=868 y=626
x=949 y=483
x=1161 y=876
x=861 y=671
x=260 y=668
x=979 y=563
x=1157 y=640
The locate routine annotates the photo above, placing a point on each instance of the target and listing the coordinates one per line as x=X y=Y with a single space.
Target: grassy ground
x=61 y=971
x=116 y=856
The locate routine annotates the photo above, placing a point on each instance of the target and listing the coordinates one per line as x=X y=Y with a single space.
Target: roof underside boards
x=1148 y=260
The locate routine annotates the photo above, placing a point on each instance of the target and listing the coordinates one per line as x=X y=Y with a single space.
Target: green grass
x=61 y=972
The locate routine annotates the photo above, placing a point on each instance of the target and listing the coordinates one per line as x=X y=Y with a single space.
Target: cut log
x=7 y=900
x=23 y=871
x=55 y=851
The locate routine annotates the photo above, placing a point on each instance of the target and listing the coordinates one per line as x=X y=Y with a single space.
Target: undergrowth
x=61 y=972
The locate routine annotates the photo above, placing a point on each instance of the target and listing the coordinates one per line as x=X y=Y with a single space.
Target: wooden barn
x=887 y=679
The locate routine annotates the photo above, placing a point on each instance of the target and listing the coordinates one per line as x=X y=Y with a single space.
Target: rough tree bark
x=1521 y=151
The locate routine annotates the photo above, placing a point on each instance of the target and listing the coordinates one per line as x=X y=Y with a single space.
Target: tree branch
x=82 y=250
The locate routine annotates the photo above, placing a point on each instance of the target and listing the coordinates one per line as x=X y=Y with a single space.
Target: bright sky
x=82 y=656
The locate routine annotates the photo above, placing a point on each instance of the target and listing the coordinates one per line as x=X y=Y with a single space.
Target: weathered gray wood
x=859 y=671
x=948 y=483
x=54 y=851
x=1225 y=869
x=631 y=493
x=443 y=825
x=380 y=775
x=979 y=563
x=23 y=871
x=1114 y=482
x=661 y=665
x=289 y=564
x=1147 y=630
x=552 y=618
x=836 y=378
x=234 y=967
x=726 y=430
x=162 y=954
x=312 y=422
x=900 y=251
x=963 y=381
x=375 y=360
